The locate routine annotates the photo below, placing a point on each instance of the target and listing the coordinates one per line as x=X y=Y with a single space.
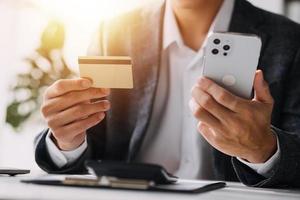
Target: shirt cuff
x=62 y=158
x=264 y=169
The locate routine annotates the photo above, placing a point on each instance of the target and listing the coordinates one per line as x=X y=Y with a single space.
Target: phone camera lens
x=215 y=51
x=226 y=47
x=217 y=41
x=225 y=54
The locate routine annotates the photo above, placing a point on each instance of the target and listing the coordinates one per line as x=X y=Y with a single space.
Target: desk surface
x=11 y=188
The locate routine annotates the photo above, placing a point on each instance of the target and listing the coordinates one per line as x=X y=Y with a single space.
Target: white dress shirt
x=172 y=139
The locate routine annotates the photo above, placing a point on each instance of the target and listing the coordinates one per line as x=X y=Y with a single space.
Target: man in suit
x=175 y=117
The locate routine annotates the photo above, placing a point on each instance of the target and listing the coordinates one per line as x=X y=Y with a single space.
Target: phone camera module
x=217 y=41
x=215 y=51
x=226 y=47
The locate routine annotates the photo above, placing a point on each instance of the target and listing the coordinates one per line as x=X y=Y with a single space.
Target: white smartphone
x=231 y=60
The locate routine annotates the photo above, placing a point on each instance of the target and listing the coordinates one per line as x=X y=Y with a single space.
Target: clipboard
x=130 y=176
x=117 y=184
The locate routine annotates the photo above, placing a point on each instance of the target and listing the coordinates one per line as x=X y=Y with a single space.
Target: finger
x=221 y=95
x=261 y=89
x=80 y=126
x=61 y=103
x=207 y=102
x=77 y=112
x=203 y=115
x=64 y=86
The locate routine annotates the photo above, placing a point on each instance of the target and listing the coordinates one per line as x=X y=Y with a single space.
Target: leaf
x=53 y=37
x=13 y=117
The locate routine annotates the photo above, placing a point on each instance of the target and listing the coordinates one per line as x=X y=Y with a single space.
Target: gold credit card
x=107 y=71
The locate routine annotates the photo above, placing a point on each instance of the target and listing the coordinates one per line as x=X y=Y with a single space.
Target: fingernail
x=86 y=83
x=201 y=80
x=262 y=78
x=101 y=115
x=193 y=105
x=106 y=105
x=106 y=90
x=192 y=90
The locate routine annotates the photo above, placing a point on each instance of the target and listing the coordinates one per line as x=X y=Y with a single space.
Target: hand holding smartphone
x=231 y=61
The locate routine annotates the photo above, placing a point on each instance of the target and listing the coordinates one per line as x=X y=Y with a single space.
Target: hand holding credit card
x=107 y=71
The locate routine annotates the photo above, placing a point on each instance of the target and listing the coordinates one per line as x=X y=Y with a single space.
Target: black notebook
x=13 y=171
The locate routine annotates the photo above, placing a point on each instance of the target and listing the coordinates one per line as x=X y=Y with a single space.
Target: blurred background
x=39 y=43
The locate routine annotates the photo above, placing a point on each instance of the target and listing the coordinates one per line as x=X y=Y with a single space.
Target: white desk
x=11 y=188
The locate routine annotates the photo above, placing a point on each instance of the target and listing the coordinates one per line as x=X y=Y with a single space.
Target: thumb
x=261 y=89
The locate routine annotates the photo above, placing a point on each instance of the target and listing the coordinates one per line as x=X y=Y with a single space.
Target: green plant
x=45 y=66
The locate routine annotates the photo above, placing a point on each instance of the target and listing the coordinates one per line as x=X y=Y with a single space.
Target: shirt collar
x=171 y=33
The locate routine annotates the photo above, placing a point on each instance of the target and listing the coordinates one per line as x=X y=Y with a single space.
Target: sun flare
x=81 y=19
x=86 y=10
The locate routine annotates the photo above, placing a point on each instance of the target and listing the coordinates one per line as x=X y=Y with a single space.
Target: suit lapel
x=245 y=21
x=146 y=49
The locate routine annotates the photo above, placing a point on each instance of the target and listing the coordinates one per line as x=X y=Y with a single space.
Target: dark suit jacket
x=139 y=35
